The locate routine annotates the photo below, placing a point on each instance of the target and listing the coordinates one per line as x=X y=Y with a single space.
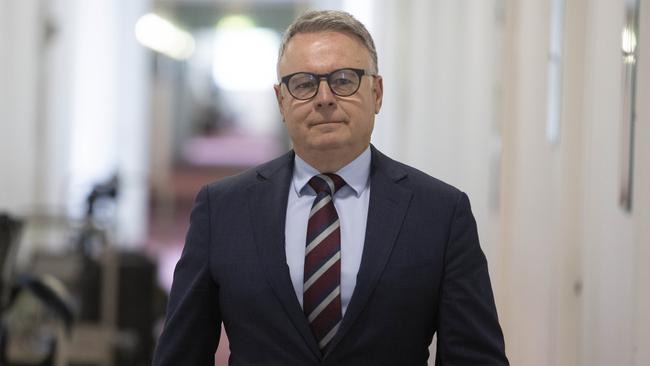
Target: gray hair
x=330 y=21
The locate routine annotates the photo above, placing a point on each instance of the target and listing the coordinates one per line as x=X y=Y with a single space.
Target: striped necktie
x=322 y=276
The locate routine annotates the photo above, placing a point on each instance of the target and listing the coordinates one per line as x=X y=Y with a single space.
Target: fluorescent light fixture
x=245 y=57
x=236 y=21
x=628 y=44
x=159 y=34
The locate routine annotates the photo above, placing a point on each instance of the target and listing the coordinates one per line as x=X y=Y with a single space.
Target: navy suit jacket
x=422 y=272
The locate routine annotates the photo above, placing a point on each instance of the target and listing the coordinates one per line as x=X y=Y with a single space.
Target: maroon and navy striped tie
x=322 y=276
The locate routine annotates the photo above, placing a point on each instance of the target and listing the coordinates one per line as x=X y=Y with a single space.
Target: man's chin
x=328 y=141
x=328 y=146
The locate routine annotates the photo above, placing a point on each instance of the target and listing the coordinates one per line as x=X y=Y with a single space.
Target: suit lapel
x=267 y=203
x=388 y=205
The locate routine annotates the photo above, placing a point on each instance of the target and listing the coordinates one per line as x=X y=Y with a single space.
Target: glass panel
x=554 y=98
x=629 y=40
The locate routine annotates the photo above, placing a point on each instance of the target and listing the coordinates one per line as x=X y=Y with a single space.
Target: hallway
x=536 y=109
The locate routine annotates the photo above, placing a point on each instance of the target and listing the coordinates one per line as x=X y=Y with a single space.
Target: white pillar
x=134 y=117
x=94 y=115
x=609 y=244
x=20 y=36
x=98 y=110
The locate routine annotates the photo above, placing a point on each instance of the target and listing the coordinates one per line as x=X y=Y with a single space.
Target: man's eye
x=341 y=82
x=304 y=85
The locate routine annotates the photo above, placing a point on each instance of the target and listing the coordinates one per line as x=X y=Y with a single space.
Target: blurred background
x=113 y=113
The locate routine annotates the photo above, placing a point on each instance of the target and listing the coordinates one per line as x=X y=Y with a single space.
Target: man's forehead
x=305 y=44
x=304 y=38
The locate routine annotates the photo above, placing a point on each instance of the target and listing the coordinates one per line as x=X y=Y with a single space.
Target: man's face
x=327 y=122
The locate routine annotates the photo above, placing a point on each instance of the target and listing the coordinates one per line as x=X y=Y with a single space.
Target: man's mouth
x=325 y=123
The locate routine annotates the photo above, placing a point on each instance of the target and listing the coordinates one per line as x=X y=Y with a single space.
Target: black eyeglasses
x=342 y=82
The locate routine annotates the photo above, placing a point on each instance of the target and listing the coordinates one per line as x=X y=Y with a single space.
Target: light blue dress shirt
x=351 y=202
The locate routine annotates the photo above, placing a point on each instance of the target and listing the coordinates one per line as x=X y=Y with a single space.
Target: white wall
x=642 y=196
x=613 y=239
x=575 y=286
x=440 y=68
x=440 y=61
x=466 y=101
x=542 y=182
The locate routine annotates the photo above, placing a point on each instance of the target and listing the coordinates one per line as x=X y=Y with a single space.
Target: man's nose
x=324 y=97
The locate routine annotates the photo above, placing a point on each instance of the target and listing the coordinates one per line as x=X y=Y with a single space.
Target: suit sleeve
x=468 y=327
x=193 y=323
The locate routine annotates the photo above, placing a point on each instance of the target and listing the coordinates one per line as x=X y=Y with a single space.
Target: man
x=332 y=254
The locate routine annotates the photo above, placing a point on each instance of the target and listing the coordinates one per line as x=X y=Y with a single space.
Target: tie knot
x=327 y=182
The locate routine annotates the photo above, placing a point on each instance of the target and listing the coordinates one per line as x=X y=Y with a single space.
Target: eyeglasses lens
x=344 y=82
x=303 y=85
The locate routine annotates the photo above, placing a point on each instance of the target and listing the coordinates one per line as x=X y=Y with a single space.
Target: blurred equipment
x=37 y=323
x=10 y=229
x=114 y=292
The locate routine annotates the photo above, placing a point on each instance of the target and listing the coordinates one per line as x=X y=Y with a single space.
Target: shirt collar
x=355 y=174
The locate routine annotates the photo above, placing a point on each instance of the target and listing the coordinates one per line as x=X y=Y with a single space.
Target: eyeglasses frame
x=360 y=73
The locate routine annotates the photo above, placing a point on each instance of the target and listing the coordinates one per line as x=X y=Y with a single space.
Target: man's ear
x=279 y=98
x=379 y=92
